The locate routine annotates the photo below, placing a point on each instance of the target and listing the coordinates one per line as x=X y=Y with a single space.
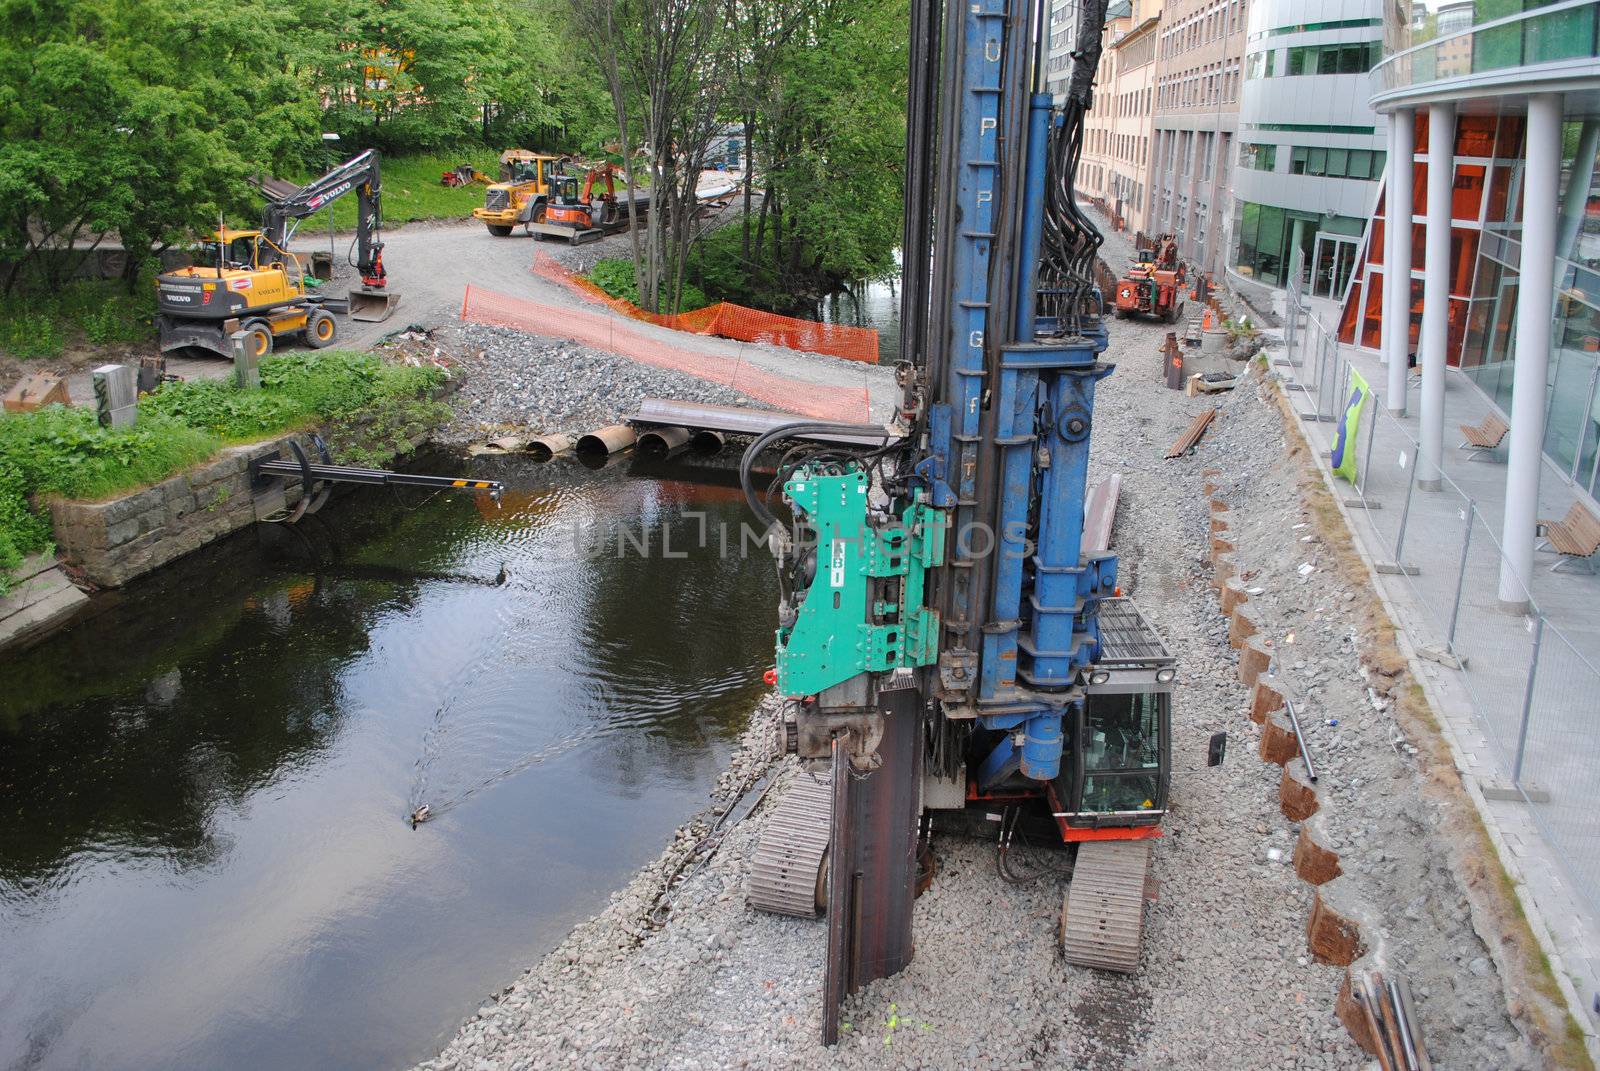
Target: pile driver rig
x=945 y=643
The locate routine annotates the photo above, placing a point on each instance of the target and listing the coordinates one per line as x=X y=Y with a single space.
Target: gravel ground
x=1225 y=979
x=512 y=379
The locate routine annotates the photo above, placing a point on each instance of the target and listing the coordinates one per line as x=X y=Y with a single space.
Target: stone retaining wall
x=113 y=542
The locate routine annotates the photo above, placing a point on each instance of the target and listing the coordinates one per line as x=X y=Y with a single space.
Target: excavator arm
x=361 y=175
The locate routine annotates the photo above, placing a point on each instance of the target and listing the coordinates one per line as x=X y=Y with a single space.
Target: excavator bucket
x=372 y=306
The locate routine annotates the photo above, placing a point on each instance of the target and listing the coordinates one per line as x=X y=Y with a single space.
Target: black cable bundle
x=1071 y=241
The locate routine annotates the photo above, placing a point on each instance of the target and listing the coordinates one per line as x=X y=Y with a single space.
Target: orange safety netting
x=604 y=331
x=727 y=320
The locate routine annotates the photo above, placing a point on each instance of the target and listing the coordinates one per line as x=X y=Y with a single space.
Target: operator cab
x=1118 y=769
x=234 y=250
x=564 y=189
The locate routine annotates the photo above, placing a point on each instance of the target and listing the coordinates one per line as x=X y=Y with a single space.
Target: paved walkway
x=1551 y=844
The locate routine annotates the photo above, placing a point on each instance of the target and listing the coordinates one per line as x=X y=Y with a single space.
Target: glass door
x=1331 y=265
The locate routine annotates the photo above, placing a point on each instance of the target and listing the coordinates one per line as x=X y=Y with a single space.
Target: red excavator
x=1153 y=285
x=582 y=216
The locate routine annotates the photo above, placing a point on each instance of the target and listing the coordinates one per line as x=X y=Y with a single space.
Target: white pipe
x=1541 y=185
x=1436 y=292
x=1397 y=255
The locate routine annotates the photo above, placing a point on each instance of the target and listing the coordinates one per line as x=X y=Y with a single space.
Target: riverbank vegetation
x=370 y=407
x=814 y=89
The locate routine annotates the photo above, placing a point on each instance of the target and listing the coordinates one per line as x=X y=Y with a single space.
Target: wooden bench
x=1485 y=437
x=1575 y=537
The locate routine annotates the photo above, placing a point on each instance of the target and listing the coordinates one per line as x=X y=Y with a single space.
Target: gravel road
x=431 y=265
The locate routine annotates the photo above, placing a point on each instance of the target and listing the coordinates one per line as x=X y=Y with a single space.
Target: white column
x=1397 y=255
x=1436 y=292
x=1541 y=181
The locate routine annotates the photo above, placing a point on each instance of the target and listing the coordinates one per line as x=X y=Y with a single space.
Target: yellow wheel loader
x=247 y=280
x=522 y=193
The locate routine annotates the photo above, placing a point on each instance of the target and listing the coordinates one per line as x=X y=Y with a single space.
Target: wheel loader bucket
x=372 y=306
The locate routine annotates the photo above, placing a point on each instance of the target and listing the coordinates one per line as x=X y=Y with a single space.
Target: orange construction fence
x=727 y=320
x=604 y=331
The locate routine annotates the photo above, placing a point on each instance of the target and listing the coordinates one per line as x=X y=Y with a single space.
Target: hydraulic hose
x=786 y=431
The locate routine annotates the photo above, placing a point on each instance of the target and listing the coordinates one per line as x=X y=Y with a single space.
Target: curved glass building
x=1494 y=108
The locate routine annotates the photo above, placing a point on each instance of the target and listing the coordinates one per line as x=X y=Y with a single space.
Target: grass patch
x=370 y=408
x=38 y=326
x=615 y=276
x=1548 y=1021
x=411 y=191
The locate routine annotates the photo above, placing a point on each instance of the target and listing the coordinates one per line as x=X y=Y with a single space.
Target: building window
x=1255 y=156
x=1333 y=59
x=1335 y=163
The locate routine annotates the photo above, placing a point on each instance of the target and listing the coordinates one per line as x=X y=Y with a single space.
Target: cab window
x=242 y=252
x=1122 y=732
x=1120 y=792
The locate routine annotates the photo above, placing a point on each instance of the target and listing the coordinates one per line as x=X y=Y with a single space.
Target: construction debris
x=1191 y=436
x=35 y=392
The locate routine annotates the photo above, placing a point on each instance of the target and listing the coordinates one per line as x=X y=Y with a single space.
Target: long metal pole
x=1405 y=511
x=1461 y=573
x=1372 y=434
x=1300 y=740
x=1527 y=701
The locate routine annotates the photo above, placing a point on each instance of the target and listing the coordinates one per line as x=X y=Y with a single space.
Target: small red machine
x=1153 y=285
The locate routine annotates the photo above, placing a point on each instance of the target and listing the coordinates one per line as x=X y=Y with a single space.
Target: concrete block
x=1278 y=742
x=1233 y=595
x=1297 y=796
x=1224 y=569
x=1315 y=864
x=1350 y=1013
x=1264 y=699
x=1331 y=935
x=1241 y=625
x=1254 y=658
x=116 y=395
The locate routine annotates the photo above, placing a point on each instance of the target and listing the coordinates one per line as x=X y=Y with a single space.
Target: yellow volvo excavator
x=247 y=280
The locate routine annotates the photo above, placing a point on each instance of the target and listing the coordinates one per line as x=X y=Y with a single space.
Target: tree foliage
x=666 y=65
x=820 y=93
x=143 y=121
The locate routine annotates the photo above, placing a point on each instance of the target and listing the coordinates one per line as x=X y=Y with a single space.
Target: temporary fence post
x=1461 y=574
x=1366 y=459
x=1399 y=565
x=1405 y=510
x=1527 y=701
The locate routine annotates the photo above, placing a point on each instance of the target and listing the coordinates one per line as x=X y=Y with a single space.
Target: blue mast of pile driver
x=1022 y=616
x=942 y=639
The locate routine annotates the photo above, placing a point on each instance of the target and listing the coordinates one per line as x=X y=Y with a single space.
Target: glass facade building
x=1310 y=147
x=1488 y=57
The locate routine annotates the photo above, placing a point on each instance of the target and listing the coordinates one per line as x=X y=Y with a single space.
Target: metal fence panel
x=1533 y=692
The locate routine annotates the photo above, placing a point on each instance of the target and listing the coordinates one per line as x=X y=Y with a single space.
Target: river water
x=204 y=860
x=871 y=303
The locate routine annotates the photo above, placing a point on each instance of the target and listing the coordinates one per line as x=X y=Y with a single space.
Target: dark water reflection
x=871 y=303
x=203 y=860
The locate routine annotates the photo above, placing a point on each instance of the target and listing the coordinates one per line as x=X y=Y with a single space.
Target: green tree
x=666 y=63
x=136 y=118
x=820 y=90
